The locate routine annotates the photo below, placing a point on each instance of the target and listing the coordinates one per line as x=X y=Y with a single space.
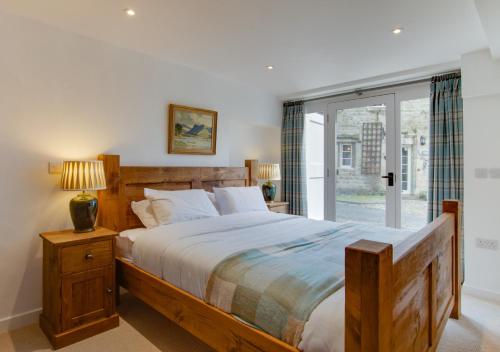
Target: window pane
x=346 y=155
x=414 y=162
x=361 y=148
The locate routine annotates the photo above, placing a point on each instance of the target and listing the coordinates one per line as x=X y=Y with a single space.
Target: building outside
x=361 y=150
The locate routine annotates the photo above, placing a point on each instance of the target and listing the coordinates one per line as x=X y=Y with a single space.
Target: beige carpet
x=143 y=329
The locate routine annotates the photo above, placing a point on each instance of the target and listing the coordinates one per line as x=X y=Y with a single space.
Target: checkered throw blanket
x=276 y=288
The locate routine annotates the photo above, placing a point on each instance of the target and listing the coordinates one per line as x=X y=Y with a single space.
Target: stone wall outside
x=414 y=125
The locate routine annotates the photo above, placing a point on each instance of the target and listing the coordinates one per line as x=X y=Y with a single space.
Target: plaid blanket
x=276 y=288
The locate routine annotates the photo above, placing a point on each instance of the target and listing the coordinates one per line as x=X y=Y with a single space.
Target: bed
x=397 y=296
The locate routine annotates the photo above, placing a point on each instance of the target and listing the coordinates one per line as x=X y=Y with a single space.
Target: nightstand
x=78 y=285
x=278 y=207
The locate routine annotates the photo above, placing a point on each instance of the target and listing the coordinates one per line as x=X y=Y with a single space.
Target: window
x=346 y=155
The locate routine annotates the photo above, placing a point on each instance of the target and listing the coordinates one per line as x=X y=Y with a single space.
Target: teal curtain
x=293 y=164
x=446 y=171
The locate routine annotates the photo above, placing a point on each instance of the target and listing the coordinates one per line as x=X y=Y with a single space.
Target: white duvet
x=185 y=254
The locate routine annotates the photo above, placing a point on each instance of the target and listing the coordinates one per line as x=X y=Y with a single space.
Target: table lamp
x=87 y=175
x=269 y=172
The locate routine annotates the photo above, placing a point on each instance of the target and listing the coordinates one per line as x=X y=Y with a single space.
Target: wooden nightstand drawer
x=86 y=256
x=281 y=209
x=278 y=207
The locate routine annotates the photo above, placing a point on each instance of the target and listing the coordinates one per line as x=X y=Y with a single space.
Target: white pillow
x=176 y=206
x=239 y=199
x=144 y=212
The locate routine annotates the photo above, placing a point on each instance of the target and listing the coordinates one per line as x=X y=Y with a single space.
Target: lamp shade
x=83 y=175
x=269 y=172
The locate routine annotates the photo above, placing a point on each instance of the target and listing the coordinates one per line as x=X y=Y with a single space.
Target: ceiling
x=311 y=43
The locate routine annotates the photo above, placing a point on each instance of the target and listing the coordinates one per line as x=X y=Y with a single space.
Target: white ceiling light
x=130 y=12
x=270 y=67
x=397 y=30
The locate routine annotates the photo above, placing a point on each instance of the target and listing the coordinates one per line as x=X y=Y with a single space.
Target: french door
x=368 y=158
x=362 y=183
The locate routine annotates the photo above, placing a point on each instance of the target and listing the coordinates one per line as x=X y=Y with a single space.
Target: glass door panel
x=363 y=157
x=414 y=162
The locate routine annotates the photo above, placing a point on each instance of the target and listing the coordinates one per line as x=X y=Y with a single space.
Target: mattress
x=125 y=242
x=185 y=254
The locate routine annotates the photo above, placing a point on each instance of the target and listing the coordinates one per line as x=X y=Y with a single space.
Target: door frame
x=401 y=92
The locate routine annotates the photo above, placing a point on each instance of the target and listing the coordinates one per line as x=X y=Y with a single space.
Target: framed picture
x=191 y=130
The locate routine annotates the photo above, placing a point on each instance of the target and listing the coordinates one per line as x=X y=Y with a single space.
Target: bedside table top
x=276 y=204
x=69 y=237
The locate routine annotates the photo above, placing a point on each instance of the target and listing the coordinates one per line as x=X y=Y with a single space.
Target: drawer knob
x=109 y=290
x=89 y=256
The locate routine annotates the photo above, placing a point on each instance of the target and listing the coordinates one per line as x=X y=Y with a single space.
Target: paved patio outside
x=371 y=209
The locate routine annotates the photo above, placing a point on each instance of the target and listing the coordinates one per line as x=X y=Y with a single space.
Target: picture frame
x=191 y=130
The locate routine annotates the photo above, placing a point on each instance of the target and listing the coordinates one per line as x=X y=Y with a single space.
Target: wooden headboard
x=126 y=184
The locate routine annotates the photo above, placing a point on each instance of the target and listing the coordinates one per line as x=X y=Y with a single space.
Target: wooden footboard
x=401 y=301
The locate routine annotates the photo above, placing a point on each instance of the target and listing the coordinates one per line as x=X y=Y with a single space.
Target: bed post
x=368 y=290
x=109 y=199
x=454 y=207
x=253 y=171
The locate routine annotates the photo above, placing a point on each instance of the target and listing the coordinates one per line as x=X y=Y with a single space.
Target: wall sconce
x=422 y=140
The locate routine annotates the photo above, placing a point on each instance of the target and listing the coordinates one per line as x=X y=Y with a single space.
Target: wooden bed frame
x=395 y=301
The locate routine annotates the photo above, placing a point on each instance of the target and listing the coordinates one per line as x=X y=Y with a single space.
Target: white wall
x=65 y=96
x=481 y=94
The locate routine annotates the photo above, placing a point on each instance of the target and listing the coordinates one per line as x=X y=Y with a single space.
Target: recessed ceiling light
x=130 y=12
x=397 y=30
x=270 y=67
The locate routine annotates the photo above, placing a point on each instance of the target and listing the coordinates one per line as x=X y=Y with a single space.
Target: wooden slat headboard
x=126 y=184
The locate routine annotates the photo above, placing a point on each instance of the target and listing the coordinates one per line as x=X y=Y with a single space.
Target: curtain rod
x=360 y=91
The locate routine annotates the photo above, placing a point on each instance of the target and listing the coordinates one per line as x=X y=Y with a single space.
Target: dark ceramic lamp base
x=269 y=191
x=83 y=209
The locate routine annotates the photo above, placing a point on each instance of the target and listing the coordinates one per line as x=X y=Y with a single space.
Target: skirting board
x=481 y=294
x=19 y=320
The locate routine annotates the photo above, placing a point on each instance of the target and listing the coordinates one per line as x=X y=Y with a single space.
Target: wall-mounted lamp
x=422 y=140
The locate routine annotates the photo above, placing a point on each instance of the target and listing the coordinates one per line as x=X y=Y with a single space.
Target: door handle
x=390 y=179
